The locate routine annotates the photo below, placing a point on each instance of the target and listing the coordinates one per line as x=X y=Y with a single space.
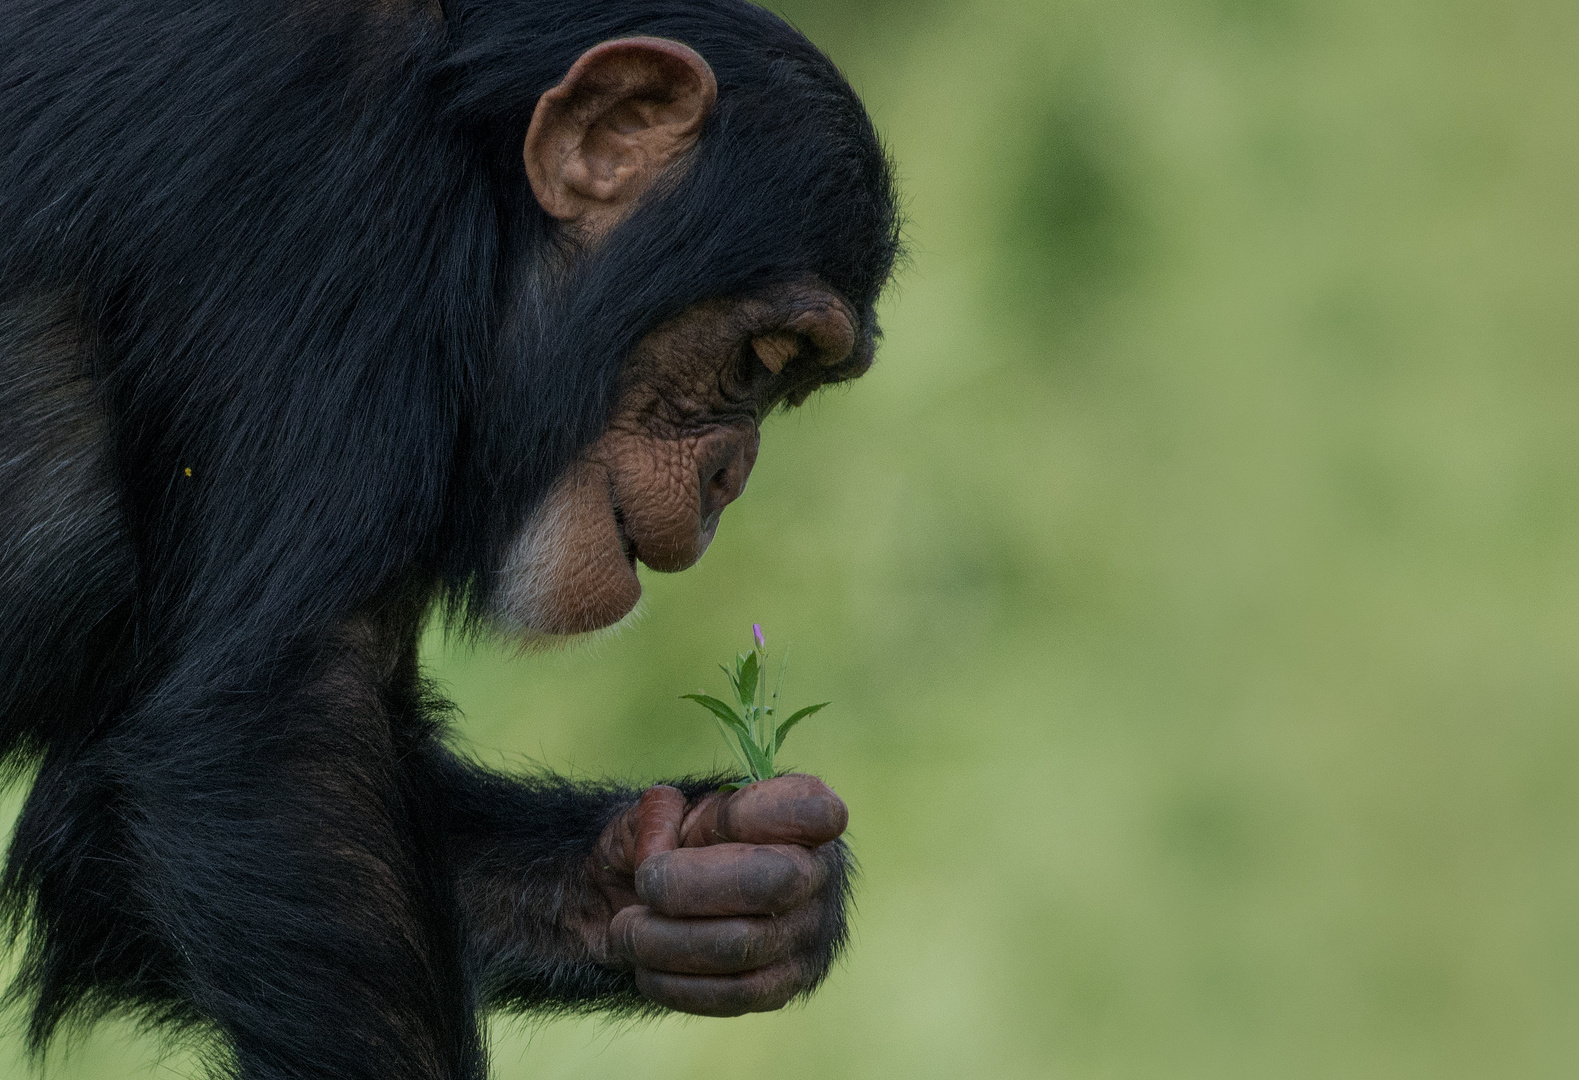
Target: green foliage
x=753 y=734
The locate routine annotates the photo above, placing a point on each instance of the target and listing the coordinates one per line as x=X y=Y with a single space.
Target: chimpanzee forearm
x=521 y=848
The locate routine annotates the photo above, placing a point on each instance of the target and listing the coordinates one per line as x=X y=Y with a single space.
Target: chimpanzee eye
x=750 y=376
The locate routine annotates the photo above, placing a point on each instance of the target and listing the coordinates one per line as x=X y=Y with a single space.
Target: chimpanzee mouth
x=708 y=530
x=627 y=545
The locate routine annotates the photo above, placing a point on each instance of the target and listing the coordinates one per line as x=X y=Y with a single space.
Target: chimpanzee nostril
x=724 y=471
x=723 y=484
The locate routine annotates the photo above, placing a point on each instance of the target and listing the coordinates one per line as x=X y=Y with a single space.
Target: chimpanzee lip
x=627 y=545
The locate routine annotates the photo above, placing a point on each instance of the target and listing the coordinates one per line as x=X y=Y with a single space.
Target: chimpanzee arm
x=283 y=859
x=521 y=851
x=311 y=874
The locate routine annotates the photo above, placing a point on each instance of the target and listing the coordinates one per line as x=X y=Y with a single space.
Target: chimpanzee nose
x=724 y=465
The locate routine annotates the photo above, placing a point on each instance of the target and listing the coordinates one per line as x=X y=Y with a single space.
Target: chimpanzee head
x=712 y=219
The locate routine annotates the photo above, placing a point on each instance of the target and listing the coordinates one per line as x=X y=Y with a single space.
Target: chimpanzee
x=318 y=317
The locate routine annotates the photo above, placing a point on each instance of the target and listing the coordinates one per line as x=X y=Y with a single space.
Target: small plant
x=754 y=733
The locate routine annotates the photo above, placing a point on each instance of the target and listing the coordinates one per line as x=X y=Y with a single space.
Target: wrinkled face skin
x=678 y=449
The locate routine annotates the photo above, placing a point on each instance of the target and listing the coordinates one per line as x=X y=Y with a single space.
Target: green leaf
x=796 y=717
x=734 y=743
x=748 y=681
x=720 y=710
x=761 y=759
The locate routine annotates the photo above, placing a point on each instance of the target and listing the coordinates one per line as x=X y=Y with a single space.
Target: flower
x=752 y=729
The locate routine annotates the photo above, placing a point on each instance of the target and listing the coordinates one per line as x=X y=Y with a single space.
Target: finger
x=791 y=809
x=659 y=812
x=730 y=879
x=723 y=995
x=644 y=939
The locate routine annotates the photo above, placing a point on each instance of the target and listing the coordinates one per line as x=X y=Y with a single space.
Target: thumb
x=658 y=812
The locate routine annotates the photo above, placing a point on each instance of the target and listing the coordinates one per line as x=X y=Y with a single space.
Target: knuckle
x=745 y=944
x=625 y=933
x=775 y=989
x=653 y=879
x=624 y=945
x=772 y=876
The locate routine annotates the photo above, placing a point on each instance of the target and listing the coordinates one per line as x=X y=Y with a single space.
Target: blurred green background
x=1196 y=577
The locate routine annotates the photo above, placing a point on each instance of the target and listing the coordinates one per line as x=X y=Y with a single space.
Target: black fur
x=287 y=354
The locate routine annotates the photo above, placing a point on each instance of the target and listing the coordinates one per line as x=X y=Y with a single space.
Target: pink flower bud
x=756 y=632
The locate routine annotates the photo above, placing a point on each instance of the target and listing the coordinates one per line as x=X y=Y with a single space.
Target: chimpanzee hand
x=730 y=904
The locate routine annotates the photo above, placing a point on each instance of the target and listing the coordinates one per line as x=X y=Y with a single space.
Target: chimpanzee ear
x=619 y=117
